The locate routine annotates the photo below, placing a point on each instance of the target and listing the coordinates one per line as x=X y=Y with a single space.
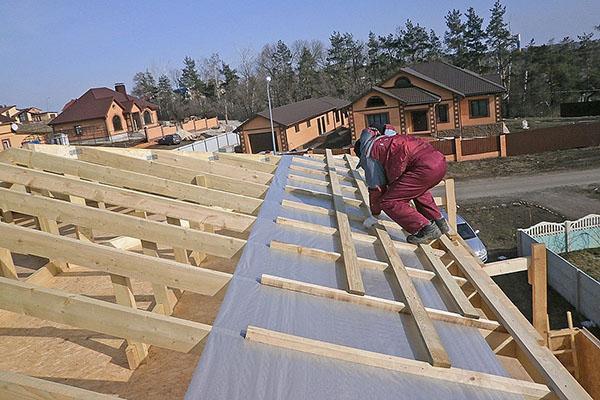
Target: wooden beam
x=527 y=338
x=430 y=339
x=242 y=162
x=539 y=289
x=113 y=261
x=126 y=198
x=353 y=276
x=24 y=387
x=451 y=204
x=7 y=266
x=507 y=266
x=120 y=224
x=101 y=316
x=376 y=302
x=244 y=170
x=315 y=193
x=133 y=179
x=421 y=369
x=448 y=283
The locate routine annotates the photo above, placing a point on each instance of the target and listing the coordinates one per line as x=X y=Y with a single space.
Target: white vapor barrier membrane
x=233 y=368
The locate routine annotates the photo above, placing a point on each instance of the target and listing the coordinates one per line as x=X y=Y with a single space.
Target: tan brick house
x=105 y=114
x=295 y=124
x=432 y=99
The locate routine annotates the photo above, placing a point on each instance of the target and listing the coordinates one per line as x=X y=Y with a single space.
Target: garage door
x=262 y=142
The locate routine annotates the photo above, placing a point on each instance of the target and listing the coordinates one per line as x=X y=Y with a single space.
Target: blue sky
x=53 y=51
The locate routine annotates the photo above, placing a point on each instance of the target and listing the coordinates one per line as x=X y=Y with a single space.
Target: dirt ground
x=527 y=164
x=587 y=260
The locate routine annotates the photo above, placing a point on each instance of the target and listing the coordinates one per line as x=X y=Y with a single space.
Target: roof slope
x=293 y=113
x=410 y=95
x=95 y=103
x=459 y=80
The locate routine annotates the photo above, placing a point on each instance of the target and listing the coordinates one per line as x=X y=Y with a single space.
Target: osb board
x=95 y=361
x=588 y=354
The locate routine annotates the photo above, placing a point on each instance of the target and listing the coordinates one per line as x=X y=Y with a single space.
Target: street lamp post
x=271 y=113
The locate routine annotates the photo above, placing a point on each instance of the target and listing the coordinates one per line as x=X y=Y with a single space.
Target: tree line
x=537 y=77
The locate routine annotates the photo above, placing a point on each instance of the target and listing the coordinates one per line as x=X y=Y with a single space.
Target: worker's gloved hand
x=369 y=222
x=375 y=195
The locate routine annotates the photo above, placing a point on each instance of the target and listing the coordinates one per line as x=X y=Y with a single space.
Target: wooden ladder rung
x=562 y=351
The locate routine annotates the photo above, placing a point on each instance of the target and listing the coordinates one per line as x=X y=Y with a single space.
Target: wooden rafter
x=135 y=180
x=120 y=224
x=125 y=198
x=111 y=260
x=527 y=338
x=353 y=276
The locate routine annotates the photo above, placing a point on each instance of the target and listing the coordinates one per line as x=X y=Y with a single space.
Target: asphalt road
x=515 y=185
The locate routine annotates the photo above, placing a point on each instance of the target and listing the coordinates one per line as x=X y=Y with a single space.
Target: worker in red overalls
x=398 y=169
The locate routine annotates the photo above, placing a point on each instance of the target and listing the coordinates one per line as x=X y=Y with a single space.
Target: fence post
x=458 y=148
x=567 y=232
x=538 y=278
x=502 y=145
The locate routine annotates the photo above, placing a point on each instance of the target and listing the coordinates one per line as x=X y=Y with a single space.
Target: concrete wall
x=577 y=287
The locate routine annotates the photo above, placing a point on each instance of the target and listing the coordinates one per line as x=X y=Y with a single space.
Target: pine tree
x=454 y=37
x=145 y=86
x=434 y=51
x=474 y=42
x=164 y=97
x=500 y=42
x=283 y=76
x=190 y=81
x=346 y=65
x=308 y=75
x=414 y=42
x=377 y=61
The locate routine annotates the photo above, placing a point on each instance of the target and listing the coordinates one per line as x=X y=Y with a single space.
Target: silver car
x=469 y=235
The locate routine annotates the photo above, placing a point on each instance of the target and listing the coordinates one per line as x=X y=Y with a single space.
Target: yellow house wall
x=113 y=110
x=450 y=124
x=360 y=111
x=305 y=134
x=464 y=111
x=90 y=127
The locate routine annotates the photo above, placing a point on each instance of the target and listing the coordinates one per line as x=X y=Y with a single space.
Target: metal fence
x=577 y=287
x=215 y=143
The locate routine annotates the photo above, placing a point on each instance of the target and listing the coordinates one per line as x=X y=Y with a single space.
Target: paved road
x=514 y=185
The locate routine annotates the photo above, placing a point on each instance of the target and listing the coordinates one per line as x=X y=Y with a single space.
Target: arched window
x=117 y=124
x=147 y=117
x=402 y=82
x=375 y=101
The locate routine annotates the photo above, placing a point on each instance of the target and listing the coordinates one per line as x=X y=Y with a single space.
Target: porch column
x=432 y=124
x=283 y=139
x=498 y=104
x=402 y=119
x=350 y=122
x=456 y=112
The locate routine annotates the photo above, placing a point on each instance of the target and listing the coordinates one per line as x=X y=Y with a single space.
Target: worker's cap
x=389 y=130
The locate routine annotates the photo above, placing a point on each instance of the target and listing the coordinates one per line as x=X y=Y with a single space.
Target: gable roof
x=299 y=111
x=409 y=95
x=453 y=78
x=95 y=104
x=5 y=120
x=6 y=108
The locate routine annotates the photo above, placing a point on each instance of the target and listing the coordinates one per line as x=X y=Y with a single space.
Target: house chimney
x=120 y=87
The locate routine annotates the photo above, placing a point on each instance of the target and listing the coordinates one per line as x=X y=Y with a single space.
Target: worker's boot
x=426 y=234
x=442 y=224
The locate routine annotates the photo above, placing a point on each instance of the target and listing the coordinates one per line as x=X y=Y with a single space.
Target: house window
x=308 y=123
x=479 y=108
x=6 y=144
x=117 y=124
x=378 y=119
x=442 y=113
x=327 y=116
x=297 y=128
x=147 y=117
x=337 y=116
x=402 y=82
x=375 y=101
x=78 y=130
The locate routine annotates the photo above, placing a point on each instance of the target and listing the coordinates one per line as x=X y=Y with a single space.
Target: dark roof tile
x=293 y=113
x=410 y=95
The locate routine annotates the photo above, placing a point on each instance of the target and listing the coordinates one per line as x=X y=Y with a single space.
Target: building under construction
x=151 y=274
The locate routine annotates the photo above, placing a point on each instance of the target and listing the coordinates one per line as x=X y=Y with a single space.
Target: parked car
x=469 y=235
x=171 y=139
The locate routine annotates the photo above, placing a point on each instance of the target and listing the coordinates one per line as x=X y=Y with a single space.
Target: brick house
x=295 y=124
x=105 y=114
x=432 y=99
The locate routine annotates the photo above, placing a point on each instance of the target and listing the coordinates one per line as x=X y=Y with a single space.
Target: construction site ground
x=587 y=260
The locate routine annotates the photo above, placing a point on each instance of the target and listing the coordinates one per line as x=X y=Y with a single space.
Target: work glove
x=369 y=222
x=375 y=195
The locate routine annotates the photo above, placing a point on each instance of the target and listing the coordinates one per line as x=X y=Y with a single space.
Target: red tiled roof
x=95 y=104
